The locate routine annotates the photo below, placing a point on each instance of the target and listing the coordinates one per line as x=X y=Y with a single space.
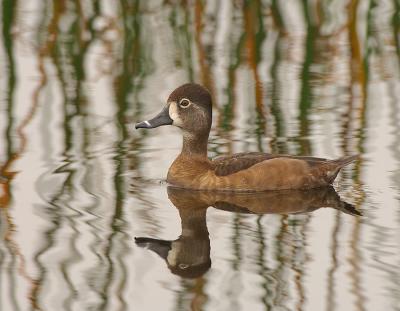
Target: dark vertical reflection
x=277 y=17
x=306 y=97
x=331 y=282
x=66 y=34
x=357 y=70
x=132 y=69
x=18 y=261
x=280 y=130
x=183 y=37
x=265 y=271
x=276 y=89
x=228 y=108
x=55 y=202
x=347 y=135
x=305 y=145
x=280 y=251
x=396 y=28
x=300 y=259
x=8 y=9
x=52 y=207
x=67 y=50
x=8 y=12
x=72 y=50
x=205 y=72
x=238 y=258
x=359 y=78
x=255 y=35
x=236 y=44
x=270 y=276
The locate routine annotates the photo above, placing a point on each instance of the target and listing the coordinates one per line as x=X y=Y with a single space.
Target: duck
x=189 y=107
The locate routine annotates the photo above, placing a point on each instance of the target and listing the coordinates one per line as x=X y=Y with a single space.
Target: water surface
x=78 y=183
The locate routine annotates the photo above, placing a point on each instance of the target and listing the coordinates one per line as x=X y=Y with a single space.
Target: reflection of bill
x=189 y=255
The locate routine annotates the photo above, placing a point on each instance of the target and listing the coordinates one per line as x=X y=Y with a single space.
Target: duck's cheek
x=174 y=115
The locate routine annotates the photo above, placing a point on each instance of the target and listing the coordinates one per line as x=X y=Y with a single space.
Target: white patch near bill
x=174 y=115
x=147 y=123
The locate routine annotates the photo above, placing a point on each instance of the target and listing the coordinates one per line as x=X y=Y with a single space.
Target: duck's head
x=188 y=107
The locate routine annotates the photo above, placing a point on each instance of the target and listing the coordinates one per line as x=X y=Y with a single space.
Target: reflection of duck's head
x=189 y=255
x=188 y=107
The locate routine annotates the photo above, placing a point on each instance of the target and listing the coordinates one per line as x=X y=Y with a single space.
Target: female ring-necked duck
x=189 y=108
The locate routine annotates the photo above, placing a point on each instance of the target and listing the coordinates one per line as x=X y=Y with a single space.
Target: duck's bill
x=162 y=118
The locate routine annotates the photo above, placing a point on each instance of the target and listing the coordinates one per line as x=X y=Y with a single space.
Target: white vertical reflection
x=69 y=249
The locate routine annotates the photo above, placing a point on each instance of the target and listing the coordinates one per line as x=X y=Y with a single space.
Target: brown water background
x=78 y=183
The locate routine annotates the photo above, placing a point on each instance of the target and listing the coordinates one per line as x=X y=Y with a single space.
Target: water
x=78 y=184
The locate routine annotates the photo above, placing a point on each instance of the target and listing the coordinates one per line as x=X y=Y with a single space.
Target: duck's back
x=226 y=165
x=276 y=172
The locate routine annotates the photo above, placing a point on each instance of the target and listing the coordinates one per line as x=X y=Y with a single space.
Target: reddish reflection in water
x=77 y=184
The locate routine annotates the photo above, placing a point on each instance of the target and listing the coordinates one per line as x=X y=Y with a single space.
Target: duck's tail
x=334 y=166
x=343 y=161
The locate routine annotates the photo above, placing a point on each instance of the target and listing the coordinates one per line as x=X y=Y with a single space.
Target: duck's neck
x=194 y=145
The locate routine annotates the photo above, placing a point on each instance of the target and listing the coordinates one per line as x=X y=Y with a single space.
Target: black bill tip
x=162 y=118
x=143 y=125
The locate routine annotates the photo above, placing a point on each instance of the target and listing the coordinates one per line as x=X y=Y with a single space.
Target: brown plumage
x=189 y=108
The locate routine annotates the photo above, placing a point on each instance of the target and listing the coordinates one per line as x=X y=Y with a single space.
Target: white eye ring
x=184 y=103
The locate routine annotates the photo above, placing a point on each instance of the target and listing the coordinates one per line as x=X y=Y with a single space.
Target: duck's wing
x=227 y=165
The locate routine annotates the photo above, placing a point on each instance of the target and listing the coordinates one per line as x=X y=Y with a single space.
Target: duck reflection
x=189 y=255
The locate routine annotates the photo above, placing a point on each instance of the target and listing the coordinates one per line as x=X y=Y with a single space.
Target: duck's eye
x=184 y=103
